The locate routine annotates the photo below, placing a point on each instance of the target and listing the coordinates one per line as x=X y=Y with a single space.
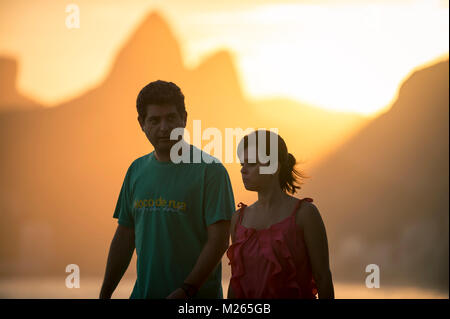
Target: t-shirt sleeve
x=124 y=203
x=219 y=198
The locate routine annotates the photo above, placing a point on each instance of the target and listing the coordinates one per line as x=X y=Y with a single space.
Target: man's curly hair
x=160 y=93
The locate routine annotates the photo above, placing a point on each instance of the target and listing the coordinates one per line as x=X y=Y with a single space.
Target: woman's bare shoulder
x=235 y=216
x=238 y=212
x=307 y=212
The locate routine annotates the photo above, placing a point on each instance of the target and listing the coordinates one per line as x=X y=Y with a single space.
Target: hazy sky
x=344 y=55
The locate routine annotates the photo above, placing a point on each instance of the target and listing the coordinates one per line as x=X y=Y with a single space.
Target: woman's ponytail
x=290 y=178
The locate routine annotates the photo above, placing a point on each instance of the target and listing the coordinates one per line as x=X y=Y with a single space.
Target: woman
x=279 y=244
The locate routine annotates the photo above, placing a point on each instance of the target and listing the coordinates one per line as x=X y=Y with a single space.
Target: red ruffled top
x=271 y=263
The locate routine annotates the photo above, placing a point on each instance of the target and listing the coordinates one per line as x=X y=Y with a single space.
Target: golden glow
x=345 y=56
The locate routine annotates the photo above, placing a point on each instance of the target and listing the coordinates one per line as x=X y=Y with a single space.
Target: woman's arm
x=234 y=218
x=230 y=292
x=317 y=246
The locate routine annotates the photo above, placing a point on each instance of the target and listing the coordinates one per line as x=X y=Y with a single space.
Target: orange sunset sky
x=357 y=88
x=340 y=55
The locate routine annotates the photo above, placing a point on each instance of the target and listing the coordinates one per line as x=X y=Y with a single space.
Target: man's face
x=159 y=122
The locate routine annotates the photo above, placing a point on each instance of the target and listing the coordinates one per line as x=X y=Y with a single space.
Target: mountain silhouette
x=10 y=98
x=384 y=193
x=150 y=53
x=62 y=167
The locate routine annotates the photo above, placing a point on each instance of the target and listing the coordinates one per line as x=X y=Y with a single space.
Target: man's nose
x=164 y=126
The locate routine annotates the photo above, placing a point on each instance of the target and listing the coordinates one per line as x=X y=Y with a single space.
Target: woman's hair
x=290 y=178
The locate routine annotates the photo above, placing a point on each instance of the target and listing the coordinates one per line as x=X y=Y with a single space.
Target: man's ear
x=141 y=122
x=185 y=118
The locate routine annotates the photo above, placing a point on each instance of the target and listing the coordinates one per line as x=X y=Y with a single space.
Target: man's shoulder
x=215 y=168
x=139 y=162
x=204 y=157
x=207 y=161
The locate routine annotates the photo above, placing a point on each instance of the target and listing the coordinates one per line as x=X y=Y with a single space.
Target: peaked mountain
x=10 y=98
x=384 y=194
x=62 y=167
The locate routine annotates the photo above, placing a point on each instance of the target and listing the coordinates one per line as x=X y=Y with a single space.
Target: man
x=177 y=216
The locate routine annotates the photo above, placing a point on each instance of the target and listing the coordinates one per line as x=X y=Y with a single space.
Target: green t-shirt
x=170 y=206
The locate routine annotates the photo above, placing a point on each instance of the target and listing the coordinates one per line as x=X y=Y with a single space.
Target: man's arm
x=317 y=246
x=210 y=256
x=119 y=257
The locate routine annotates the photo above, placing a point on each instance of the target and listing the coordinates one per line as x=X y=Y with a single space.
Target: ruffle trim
x=234 y=254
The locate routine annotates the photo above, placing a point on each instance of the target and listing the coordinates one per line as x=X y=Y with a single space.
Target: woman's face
x=252 y=178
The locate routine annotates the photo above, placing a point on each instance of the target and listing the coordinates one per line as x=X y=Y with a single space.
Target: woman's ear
x=277 y=172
